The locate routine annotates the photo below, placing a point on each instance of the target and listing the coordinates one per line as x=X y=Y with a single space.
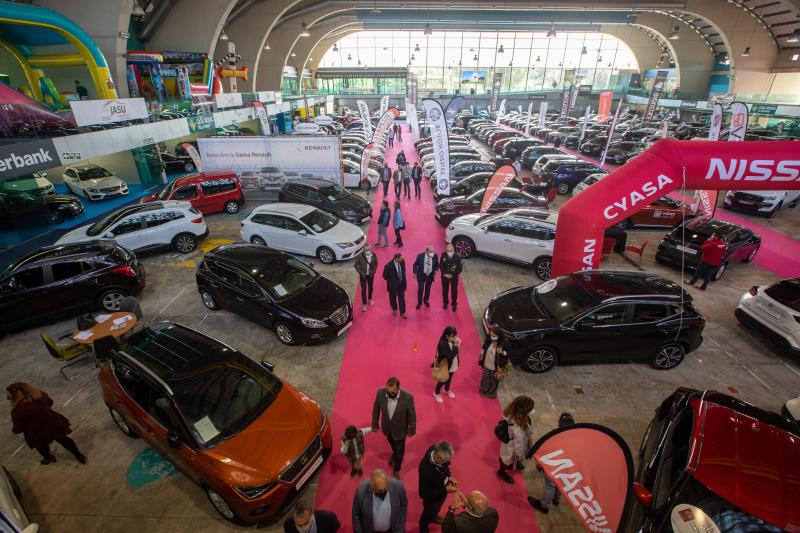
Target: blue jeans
x=705 y=271
x=382 y=233
x=550 y=493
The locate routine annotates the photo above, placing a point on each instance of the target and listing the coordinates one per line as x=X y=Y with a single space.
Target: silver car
x=775 y=310
x=12 y=515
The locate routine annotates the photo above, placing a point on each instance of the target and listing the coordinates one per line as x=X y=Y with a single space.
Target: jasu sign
x=89 y=112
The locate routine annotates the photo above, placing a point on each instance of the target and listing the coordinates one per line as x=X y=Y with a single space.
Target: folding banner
x=411 y=116
x=384 y=104
x=363 y=110
x=434 y=120
x=528 y=121
x=585 y=123
x=196 y=159
x=542 y=114
x=655 y=94
x=501 y=111
x=716 y=123
x=610 y=134
x=496 y=82
x=519 y=108
x=705 y=202
x=366 y=155
x=453 y=109
x=592 y=468
x=739 y=119
x=573 y=97
x=384 y=123
x=604 y=105
x=565 y=103
x=472 y=109
x=499 y=181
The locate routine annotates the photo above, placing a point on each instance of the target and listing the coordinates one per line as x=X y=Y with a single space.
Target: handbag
x=502 y=373
x=441 y=371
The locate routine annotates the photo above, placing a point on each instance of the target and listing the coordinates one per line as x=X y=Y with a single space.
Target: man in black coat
x=424 y=269
x=393 y=410
x=435 y=482
x=416 y=176
x=394 y=272
x=450 y=266
x=304 y=518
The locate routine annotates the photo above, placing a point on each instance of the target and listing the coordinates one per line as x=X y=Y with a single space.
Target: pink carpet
x=380 y=345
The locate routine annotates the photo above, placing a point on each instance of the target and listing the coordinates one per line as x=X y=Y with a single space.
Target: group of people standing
x=402 y=177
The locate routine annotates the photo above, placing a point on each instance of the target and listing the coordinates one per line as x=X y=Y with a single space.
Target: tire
x=795 y=203
x=563 y=188
x=258 y=241
x=231 y=207
x=720 y=271
x=774 y=212
x=749 y=258
x=55 y=217
x=285 y=334
x=222 y=507
x=668 y=356
x=109 y=300
x=122 y=424
x=543 y=266
x=540 y=360
x=13 y=482
x=188 y=167
x=208 y=299
x=326 y=255
x=623 y=224
x=184 y=243
x=464 y=247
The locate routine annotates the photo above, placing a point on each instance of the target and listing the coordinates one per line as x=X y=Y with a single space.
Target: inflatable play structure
x=166 y=76
x=21 y=116
x=27 y=32
x=666 y=166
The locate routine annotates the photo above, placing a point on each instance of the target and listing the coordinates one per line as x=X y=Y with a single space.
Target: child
x=353 y=448
x=550 y=494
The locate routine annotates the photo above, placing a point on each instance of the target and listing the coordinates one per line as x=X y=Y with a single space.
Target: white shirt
x=399 y=272
x=428 y=264
x=392 y=405
x=368 y=258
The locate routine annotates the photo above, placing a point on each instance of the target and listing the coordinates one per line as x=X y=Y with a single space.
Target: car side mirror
x=644 y=496
x=173 y=439
x=269 y=366
x=484 y=229
x=302 y=232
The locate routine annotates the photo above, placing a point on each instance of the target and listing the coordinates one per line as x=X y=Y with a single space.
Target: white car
x=766 y=203
x=591 y=179
x=520 y=235
x=351 y=172
x=303 y=229
x=93 y=182
x=536 y=170
x=12 y=515
x=791 y=409
x=775 y=310
x=144 y=226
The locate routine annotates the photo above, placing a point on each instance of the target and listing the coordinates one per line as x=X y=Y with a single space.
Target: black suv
x=567 y=174
x=532 y=154
x=513 y=149
x=329 y=197
x=597 y=316
x=463 y=169
x=275 y=290
x=65 y=280
x=472 y=183
x=28 y=208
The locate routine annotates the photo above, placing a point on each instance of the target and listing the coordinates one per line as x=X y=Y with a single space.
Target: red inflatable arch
x=751 y=165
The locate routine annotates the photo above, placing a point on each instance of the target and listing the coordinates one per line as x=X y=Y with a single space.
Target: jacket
x=450 y=265
x=404 y=421
x=443 y=351
x=384 y=217
x=386 y=175
x=362 y=507
x=419 y=266
x=712 y=251
x=397 y=176
x=416 y=173
x=327 y=522
x=466 y=523
x=397 y=220
x=432 y=478
x=349 y=446
x=394 y=283
x=40 y=424
x=514 y=450
x=406 y=171
x=361 y=265
x=500 y=360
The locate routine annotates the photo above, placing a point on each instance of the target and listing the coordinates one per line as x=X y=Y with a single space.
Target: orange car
x=250 y=440
x=664 y=212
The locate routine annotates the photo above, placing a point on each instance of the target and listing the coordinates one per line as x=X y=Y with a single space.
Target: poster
x=655 y=93
x=363 y=110
x=604 y=106
x=89 y=112
x=434 y=119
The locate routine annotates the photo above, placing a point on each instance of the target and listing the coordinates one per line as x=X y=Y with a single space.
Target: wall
x=10 y=66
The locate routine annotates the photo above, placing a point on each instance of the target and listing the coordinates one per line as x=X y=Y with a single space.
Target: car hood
x=76 y=235
x=342 y=232
x=60 y=199
x=515 y=311
x=101 y=183
x=467 y=221
x=319 y=300
x=352 y=203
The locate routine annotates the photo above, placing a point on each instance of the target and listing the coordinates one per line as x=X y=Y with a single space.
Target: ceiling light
x=795 y=57
x=510 y=63
x=459 y=62
x=428 y=30
x=349 y=57
x=551 y=33
x=413 y=58
x=267 y=47
x=609 y=64
x=475 y=58
x=359 y=62
x=365 y=66
x=335 y=47
x=746 y=52
x=599 y=59
x=310 y=58
x=583 y=51
x=538 y=58
x=305 y=32
x=560 y=64
x=416 y=48
x=794 y=37
x=137 y=10
x=293 y=54
x=675 y=35
x=223 y=36
x=500 y=50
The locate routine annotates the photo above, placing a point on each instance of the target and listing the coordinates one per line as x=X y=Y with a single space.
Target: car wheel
x=110 y=300
x=232 y=207
x=720 y=271
x=464 y=247
x=795 y=203
x=669 y=356
x=326 y=255
x=188 y=167
x=13 y=482
x=122 y=424
x=258 y=241
x=222 y=506
x=774 y=212
x=55 y=217
x=285 y=334
x=751 y=256
x=563 y=188
x=184 y=242
x=208 y=299
x=543 y=266
x=540 y=360
x=623 y=224
x=364 y=185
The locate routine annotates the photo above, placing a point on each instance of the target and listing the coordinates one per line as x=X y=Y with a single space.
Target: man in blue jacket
x=425 y=268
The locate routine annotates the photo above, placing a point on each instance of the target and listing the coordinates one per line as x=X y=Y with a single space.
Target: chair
x=103 y=347
x=638 y=250
x=608 y=245
x=77 y=355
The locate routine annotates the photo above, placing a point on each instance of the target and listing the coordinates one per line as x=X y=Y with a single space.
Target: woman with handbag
x=398 y=223
x=520 y=430
x=494 y=361
x=446 y=362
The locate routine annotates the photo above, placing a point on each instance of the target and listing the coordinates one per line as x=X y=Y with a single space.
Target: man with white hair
x=477 y=516
x=435 y=482
x=380 y=505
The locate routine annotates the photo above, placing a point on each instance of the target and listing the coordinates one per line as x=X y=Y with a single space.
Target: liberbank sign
x=24 y=158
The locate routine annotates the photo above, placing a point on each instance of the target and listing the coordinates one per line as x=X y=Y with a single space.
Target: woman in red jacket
x=33 y=416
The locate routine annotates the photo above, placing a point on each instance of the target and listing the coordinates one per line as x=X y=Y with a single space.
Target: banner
x=434 y=120
x=366 y=155
x=497 y=80
x=565 y=103
x=519 y=108
x=384 y=104
x=24 y=158
x=413 y=120
x=472 y=109
x=655 y=93
x=604 y=106
x=542 y=114
x=90 y=112
x=716 y=123
x=574 y=97
x=196 y=159
x=610 y=134
x=384 y=123
x=263 y=118
x=583 y=126
x=528 y=120
x=499 y=181
x=592 y=468
x=453 y=109
x=363 y=110
x=739 y=119
x=501 y=111
x=223 y=100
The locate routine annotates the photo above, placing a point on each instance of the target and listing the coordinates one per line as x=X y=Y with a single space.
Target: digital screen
x=473 y=76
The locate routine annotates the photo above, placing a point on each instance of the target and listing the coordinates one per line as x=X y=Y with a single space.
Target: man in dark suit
x=304 y=518
x=393 y=411
x=386 y=178
x=477 y=516
x=394 y=272
x=380 y=505
x=416 y=176
x=435 y=482
x=450 y=266
x=425 y=268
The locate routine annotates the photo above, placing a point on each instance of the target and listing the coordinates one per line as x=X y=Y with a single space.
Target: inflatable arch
x=666 y=166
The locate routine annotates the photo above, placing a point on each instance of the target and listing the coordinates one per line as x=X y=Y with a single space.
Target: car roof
x=711 y=225
x=610 y=284
x=84 y=166
x=539 y=215
x=76 y=249
x=311 y=182
x=205 y=175
x=296 y=210
x=245 y=255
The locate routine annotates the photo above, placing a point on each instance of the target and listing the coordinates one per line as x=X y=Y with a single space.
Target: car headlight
x=451 y=227
x=345 y=245
x=313 y=323
x=770 y=198
x=254 y=492
x=349 y=213
x=93 y=190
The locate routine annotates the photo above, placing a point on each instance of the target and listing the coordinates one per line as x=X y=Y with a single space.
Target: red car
x=502 y=134
x=208 y=192
x=450 y=208
x=664 y=212
x=500 y=144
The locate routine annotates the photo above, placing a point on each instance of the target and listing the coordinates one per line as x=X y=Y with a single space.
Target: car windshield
x=335 y=192
x=93 y=173
x=166 y=191
x=786 y=292
x=100 y=226
x=563 y=299
x=319 y=221
x=285 y=277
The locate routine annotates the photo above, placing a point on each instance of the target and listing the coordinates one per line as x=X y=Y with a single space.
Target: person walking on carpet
x=494 y=361
x=366 y=264
x=406 y=170
x=450 y=267
x=391 y=136
x=435 y=483
x=550 y=495
x=416 y=175
x=384 y=219
x=517 y=414
x=306 y=519
x=386 y=178
x=424 y=269
x=477 y=516
x=397 y=179
x=394 y=272
x=353 y=448
x=380 y=505
x=399 y=224
x=447 y=352
x=394 y=413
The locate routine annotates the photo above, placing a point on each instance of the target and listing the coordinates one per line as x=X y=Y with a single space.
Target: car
x=302 y=229
x=723 y=462
x=206 y=407
x=540 y=163
x=329 y=197
x=463 y=169
x=742 y=243
x=174 y=163
x=457 y=157
x=531 y=155
x=448 y=209
x=61 y=281
x=30 y=209
x=775 y=310
x=620 y=151
x=470 y=184
x=522 y=236
x=498 y=146
x=351 y=175
x=566 y=174
x=270 y=178
x=275 y=290
x=33 y=183
x=209 y=192
x=791 y=409
x=594 y=146
x=146 y=226
x=374 y=164
x=597 y=316
x=12 y=515
x=663 y=212
x=514 y=148
x=591 y=179
x=93 y=182
x=766 y=203
x=573 y=141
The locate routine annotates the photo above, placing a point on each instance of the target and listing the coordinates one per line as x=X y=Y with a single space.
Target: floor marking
x=209 y=244
x=758 y=378
x=80 y=390
x=549 y=399
x=712 y=340
x=204 y=317
x=732 y=356
x=170 y=302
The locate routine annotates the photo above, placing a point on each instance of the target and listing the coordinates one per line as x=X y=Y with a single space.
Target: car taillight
x=753 y=290
x=125 y=271
x=197 y=220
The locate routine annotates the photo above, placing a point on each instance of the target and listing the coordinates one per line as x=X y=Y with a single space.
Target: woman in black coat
x=447 y=350
x=494 y=356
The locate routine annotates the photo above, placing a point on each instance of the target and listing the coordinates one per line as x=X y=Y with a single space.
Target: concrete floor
x=67 y=497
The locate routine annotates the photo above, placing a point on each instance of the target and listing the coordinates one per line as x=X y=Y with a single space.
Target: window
x=505 y=227
x=29 y=279
x=128 y=225
x=62 y=271
x=533 y=231
x=187 y=192
x=71 y=173
x=158 y=218
x=249 y=286
x=610 y=315
x=674 y=457
x=218 y=186
x=291 y=224
x=224 y=272
x=649 y=312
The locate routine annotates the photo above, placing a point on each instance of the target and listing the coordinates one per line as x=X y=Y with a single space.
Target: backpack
x=501 y=431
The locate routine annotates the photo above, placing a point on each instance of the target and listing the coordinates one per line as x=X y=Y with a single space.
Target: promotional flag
x=384 y=104
x=781 y=127
x=472 y=109
x=542 y=114
x=610 y=134
x=384 y=123
x=528 y=121
x=363 y=109
x=604 y=105
x=263 y=118
x=716 y=123
x=573 y=97
x=496 y=82
x=655 y=94
x=664 y=128
x=434 y=119
x=500 y=179
x=501 y=111
x=196 y=159
x=585 y=123
x=366 y=155
x=592 y=468
x=519 y=108
x=453 y=109
x=739 y=119
x=565 y=103
x=411 y=116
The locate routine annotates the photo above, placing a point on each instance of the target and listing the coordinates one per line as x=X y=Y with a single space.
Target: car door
x=71 y=179
x=251 y=301
x=600 y=334
x=651 y=326
x=301 y=239
x=737 y=250
x=129 y=233
x=72 y=285
x=159 y=227
x=497 y=238
x=750 y=243
x=223 y=283
x=533 y=241
x=25 y=297
x=187 y=193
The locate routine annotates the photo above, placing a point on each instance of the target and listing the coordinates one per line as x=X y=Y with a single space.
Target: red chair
x=638 y=250
x=551 y=195
x=608 y=245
